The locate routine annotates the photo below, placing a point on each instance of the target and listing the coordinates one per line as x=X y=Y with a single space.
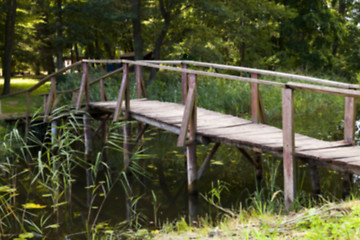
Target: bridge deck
x=230 y=130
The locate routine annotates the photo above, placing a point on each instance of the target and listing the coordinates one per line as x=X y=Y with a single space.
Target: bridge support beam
x=289 y=163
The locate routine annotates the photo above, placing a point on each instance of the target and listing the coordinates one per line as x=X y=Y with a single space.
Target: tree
x=8 y=43
x=136 y=22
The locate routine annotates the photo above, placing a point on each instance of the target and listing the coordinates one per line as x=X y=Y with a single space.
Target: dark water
x=159 y=193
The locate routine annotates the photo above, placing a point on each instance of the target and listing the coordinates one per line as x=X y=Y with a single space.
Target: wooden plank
x=322 y=89
x=289 y=146
x=349 y=120
x=121 y=96
x=189 y=105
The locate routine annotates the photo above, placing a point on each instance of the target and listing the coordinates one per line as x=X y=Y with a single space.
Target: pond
x=49 y=191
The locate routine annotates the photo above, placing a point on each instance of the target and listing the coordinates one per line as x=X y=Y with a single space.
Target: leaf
x=7 y=189
x=59 y=204
x=26 y=235
x=33 y=206
x=53 y=226
x=217 y=163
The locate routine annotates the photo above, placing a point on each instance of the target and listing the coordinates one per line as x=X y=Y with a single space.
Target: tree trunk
x=60 y=61
x=159 y=41
x=138 y=44
x=9 y=43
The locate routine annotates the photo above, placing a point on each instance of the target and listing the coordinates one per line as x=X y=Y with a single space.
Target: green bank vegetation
x=17 y=104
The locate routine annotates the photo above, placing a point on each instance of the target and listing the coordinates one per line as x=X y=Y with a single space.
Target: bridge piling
x=289 y=163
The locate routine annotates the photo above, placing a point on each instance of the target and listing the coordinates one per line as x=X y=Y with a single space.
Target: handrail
x=94 y=81
x=209 y=74
x=42 y=81
x=260 y=71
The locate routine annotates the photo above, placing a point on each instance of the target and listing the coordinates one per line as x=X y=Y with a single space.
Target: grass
x=328 y=221
x=17 y=104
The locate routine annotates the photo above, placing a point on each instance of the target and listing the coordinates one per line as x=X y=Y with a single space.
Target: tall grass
x=38 y=174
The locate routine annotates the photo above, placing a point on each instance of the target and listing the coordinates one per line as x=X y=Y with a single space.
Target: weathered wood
x=42 y=81
x=184 y=83
x=322 y=89
x=74 y=97
x=87 y=137
x=209 y=74
x=50 y=98
x=255 y=111
x=103 y=96
x=83 y=87
x=122 y=93
x=141 y=133
x=191 y=168
x=189 y=117
x=53 y=131
x=127 y=146
x=256 y=161
x=105 y=138
x=226 y=129
x=315 y=181
x=289 y=147
x=347 y=183
x=207 y=159
x=259 y=71
x=191 y=148
x=27 y=121
x=275 y=74
x=96 y=80
x=349 y=120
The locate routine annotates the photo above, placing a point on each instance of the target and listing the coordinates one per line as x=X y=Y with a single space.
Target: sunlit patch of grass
x=17 y=104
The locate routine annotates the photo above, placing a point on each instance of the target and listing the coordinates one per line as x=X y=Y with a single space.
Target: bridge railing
x=189 y=98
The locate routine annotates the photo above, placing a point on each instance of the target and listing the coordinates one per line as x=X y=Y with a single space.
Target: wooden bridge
x=195 y=125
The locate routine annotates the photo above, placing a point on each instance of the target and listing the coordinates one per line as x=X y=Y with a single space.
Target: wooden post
x=259 y=169
x=50 y=98
x=27 y=124
x=257 y=108
x=138 y=81
x=122 y=94
x=53 y=131
x=83 y=87
x=87 y=137
x=315 y=181
x=347 y=182
x=103 y=96
x=349 y=120
x=191 y=147
x=255 y=112
x=289 y=163
x=207 y=159
x=184 y=83
x=349 y=137
x=127 y=145
x=75 y=95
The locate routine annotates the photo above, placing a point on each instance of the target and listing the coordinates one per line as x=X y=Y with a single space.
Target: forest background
x=317 y=36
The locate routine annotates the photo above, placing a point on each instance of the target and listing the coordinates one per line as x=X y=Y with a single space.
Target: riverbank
x=328 y=221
